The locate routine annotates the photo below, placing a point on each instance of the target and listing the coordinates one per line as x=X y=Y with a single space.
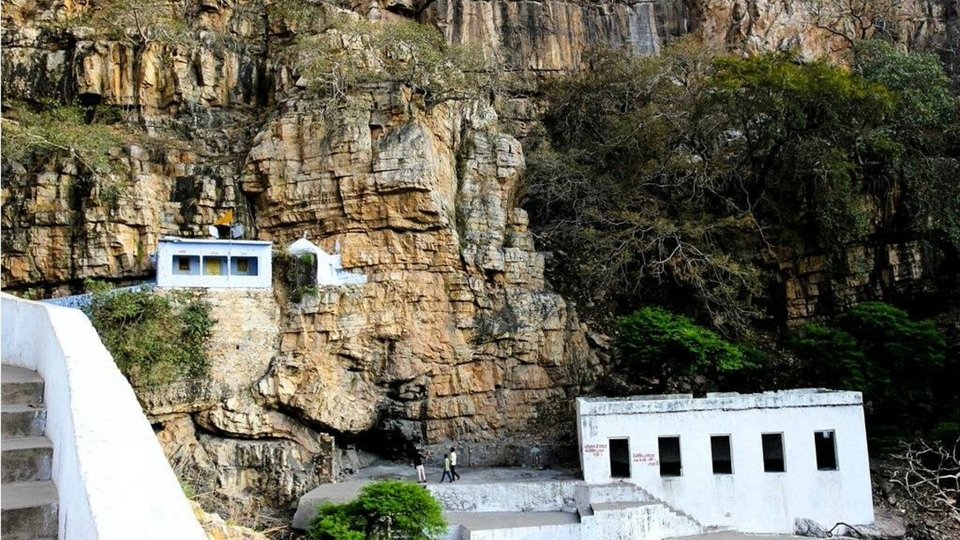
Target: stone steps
x=22 y=420
x=28 y=498
x=26 y=459
x=20 y=386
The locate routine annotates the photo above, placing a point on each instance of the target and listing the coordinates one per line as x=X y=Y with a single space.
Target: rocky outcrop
x=218 y=529
x=816 y=28
x=553 y=36
x=454 y=335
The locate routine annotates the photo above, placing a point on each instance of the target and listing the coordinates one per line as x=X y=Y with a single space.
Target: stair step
x=20 y=386
x=23 y=420
x=26 y=459
x=29 y=510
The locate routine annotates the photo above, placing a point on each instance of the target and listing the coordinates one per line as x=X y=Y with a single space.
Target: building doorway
x=619 y=458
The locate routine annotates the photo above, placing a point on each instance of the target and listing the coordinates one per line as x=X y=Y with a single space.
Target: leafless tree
x=930 y=475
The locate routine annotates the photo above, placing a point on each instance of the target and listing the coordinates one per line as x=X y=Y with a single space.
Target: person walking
x=446 y=468
x=453 y=464
x=418 y=464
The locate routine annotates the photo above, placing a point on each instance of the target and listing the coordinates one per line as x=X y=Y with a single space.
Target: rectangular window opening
x=722 y=460
x=214 y=266
x=186 y=265
x=773 y=452
x=826 y=445
x=243 y=266
x=619 y=458
x=670 y=456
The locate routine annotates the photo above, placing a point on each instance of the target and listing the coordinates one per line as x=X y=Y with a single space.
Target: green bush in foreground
x=153 y=338
x=386 y=510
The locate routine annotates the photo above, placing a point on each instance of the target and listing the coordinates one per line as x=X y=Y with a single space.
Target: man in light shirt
x=453 y=464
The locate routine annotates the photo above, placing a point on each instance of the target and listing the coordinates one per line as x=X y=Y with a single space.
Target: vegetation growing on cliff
x=354 y=53
x=385 y=510
x=298 y=273
x=682 y=180
x=154 y=338
x=138 y=22
x=57 y=130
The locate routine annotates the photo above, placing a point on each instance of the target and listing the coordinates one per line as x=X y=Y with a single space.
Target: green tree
x=917 y=80
x=679 y=180
x=57 y=130
x=899 y=364
x=921 y=158
x=654 y=344
x=385 y=510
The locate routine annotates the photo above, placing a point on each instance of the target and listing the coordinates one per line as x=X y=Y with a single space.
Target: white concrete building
x=329 y=267
x=188 y=262
x=754 y=463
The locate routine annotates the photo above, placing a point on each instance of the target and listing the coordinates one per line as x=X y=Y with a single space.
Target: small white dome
x=303 y=246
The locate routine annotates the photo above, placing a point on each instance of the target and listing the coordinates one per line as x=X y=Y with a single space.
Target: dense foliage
x=669 y=350
x=385 y=510
x=899 y=364
x=154 y=338
x=681 y=180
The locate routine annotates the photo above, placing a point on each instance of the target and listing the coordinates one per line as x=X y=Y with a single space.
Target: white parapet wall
x=749 y=497
x=544 y=496
x=113 y=480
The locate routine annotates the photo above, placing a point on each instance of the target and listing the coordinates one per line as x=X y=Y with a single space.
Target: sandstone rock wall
x=552 y=36
x=219 y=432
x=891 y=270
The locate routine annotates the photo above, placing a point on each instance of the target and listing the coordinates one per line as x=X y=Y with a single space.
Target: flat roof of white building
x=727 y=401
x=177 y=239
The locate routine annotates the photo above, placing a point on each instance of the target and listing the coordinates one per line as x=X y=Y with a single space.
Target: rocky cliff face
x=456 y=336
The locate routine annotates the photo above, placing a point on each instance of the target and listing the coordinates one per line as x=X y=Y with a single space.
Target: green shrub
x=655 y=344
x=299 y=272
x=154 y=338
x=389 y=509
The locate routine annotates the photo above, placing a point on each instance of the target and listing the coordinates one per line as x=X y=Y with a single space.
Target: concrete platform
x=348 y=490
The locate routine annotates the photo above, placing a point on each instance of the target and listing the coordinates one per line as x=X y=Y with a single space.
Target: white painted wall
x=569 y=531
x=113 y=480
x=543 y=496
x=168 y=248
x=329 y=267
x=750 y=499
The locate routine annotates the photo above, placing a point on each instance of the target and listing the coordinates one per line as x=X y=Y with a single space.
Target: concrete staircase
x=29 y=498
